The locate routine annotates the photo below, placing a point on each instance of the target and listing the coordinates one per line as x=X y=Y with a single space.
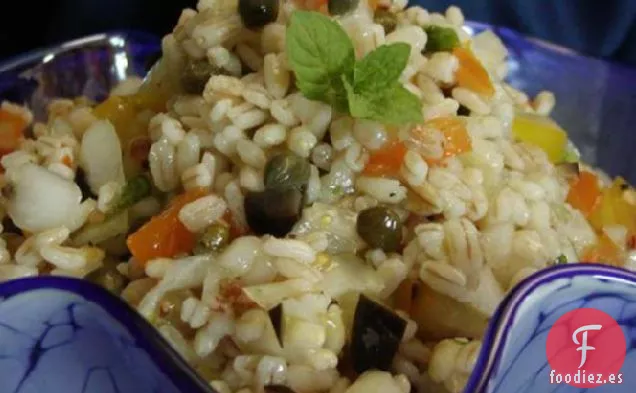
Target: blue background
x=604 y=29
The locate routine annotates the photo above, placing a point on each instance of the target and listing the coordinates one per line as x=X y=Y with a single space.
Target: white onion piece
x=101 y=157
x=348 y=273
x=42 y=200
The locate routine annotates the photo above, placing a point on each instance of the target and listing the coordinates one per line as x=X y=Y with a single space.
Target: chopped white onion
x=348 y=273
x=101 y=156
x=41 y=200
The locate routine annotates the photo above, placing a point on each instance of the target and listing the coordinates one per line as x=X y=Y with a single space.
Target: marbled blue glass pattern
x=514 y=358
x=69 y=336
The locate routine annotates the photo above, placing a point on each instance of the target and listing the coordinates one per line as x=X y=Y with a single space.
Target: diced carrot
x=471 y=74
x=12 y=127
x=387 y=161
x=584 y=193
x=164 y=235
x=456 y=138
x=68 y=161
x=605 y=251
x=313 y=5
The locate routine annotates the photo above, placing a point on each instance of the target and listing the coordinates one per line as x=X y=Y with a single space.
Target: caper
x=440 y=39
x=258 y=13
x=341 y=7
x=380 y=227
x=215 y=237
x=273 y=211
x=386 y=19
x=109 y=278
x=287 y=170
x=196 y=74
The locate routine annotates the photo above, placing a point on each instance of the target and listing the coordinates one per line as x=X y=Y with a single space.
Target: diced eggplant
x=276 y=316
x=278 y=389
x=439 y=316
x=273 y=211
x=377 y=332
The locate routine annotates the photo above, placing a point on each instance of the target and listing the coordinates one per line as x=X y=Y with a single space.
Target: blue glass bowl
x=60 y=335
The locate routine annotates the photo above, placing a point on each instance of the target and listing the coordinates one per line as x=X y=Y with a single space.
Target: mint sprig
x=322 y=58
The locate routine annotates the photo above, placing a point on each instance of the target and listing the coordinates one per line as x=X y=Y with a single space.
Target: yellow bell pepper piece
x=614 y=208
x=123 y=113
x=541 y=132
x=605 y=251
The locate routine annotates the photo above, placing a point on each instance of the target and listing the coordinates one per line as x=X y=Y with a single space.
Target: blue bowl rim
x=39 y=54
x=173 y=365
x=503 y=318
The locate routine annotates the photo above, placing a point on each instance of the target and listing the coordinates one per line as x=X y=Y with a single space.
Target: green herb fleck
x=570 y=154
x=560 y=260
x=440 y=39
x=134 y=191
x=323 y=60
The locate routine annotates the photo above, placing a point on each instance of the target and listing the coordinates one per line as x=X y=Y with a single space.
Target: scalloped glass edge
x=171 y=363
x=503 y=318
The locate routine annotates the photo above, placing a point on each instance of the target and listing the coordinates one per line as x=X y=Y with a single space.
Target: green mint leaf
x=399 y=106
x=379 y=70
x=396 y=107
x=337 y=95
x=319 y=52
x=359 y=105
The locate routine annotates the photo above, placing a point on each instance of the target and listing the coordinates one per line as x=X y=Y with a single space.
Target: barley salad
x=310 y=196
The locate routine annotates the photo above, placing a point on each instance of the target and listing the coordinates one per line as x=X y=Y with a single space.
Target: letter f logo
x=584 y=347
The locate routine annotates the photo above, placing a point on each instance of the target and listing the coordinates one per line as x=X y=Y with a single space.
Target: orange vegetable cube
x=456 y=139
x=12 y=127
x=387 y=161
x=471 y=74
x=584 y=193
x=164 y=235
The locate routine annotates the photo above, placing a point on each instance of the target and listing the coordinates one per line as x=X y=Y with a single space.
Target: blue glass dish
x=60 y=335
